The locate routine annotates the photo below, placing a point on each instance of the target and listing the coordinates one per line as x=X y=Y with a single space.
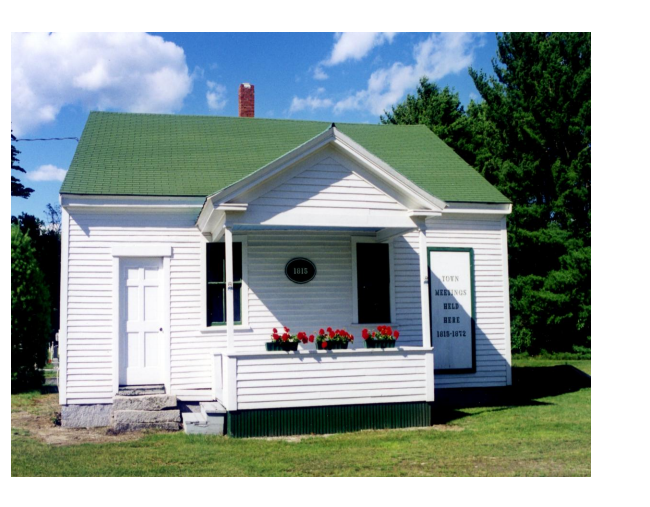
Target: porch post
x=230 y=310
x=424 y=283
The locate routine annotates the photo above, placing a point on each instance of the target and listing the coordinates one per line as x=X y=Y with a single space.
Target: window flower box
x=379 y=344
x=333 y=339
x=286 y=341
x=383 y=338
x=286 y=346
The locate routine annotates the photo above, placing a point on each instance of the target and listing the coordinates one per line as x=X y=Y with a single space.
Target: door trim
x=166 y=319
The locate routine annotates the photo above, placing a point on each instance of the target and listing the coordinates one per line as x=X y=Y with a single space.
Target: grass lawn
x=543 y=430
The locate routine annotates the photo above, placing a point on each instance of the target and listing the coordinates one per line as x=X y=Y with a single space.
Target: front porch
x=314 y=391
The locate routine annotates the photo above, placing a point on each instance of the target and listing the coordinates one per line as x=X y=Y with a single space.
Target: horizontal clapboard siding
x=492 y=327
x=272 y=299
x=408 y=303
x=326 y=185
x=275 y=301
x=89 y=372
x=301 y=381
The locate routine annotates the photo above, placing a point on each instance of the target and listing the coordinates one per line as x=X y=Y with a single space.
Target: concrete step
x=146 y=416
x=209 y=421
x=151 y=402
x=212 y=409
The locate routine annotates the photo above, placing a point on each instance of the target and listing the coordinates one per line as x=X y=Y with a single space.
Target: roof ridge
x=257 y=118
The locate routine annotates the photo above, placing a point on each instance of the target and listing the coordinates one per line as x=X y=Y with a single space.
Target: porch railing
x=307 y=378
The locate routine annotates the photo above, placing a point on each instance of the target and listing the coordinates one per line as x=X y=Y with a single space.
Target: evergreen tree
x=46 y=242
x=531 y=137
x=30 y=312
x=17 y=188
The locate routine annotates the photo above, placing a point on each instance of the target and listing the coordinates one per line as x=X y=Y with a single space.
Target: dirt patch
x=39 y=418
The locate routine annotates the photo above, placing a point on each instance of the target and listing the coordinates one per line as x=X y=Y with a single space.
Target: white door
x=141 y=322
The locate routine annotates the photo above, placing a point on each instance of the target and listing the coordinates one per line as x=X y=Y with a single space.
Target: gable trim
x=391 y=175
x=331 y=136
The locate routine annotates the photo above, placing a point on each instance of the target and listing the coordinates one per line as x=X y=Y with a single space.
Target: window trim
x=221 y=328
x=354 y=240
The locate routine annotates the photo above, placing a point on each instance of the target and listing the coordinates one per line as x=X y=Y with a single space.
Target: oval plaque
x=300 y=270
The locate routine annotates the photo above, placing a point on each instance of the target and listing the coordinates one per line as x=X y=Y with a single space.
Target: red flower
x=323 y=345
x=364 y=334
x=311 y=338
x=286 y=329
x=329 y=329
x=304 y=340
x=332 y=334
x=285 y=337
x=276 y=336
x=351 y=337
x=396 y=334
x=275 y=330
x=373 y=334
x=321 y=332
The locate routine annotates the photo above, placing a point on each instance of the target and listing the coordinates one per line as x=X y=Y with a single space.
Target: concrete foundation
x=85 y=416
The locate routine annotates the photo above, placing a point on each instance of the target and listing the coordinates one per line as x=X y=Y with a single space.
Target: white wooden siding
x=408 y=303
x=343 y=378
x=327 y=184
x=485 y=236
x=89 y=372
x=326 y=190
x=273 y=300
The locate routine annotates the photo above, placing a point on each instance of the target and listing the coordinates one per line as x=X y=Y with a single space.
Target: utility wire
x=51 y=139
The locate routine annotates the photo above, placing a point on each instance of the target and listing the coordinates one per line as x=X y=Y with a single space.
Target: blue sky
x=57 y=79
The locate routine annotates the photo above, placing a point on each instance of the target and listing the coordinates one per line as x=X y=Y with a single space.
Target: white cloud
x=436 y=57
x=352 y=46
x=356 y=45
x=319 y=73
x=216 y=95
x=47 y=172
x=133 y=72
x=309 y=102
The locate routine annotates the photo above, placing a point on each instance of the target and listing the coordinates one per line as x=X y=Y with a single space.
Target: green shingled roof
x=174 y=155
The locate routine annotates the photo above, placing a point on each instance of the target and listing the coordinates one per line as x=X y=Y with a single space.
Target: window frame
x=244 y=286
x=354 y=240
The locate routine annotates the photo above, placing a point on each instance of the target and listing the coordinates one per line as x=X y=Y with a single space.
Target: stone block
x=154 y=402
x=85 y=416
x=134 y=426
x=146 y=416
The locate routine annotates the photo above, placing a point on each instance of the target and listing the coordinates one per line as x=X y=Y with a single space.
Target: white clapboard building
x=187 y=239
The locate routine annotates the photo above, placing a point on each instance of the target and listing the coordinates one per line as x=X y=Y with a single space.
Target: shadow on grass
x=528 y=385
x=18 y=388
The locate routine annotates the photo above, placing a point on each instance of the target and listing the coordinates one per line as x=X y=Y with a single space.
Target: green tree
x=439 y=109
x=531 y=136
x=17 y=188
x=30 y=312
x=46 y=241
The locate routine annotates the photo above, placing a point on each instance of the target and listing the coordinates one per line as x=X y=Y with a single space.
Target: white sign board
x=451 y=298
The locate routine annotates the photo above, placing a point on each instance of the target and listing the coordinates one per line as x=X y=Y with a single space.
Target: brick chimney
x=246 y=100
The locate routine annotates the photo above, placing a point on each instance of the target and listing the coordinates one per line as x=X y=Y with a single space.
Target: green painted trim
x=321 y=420
x=473 y=316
